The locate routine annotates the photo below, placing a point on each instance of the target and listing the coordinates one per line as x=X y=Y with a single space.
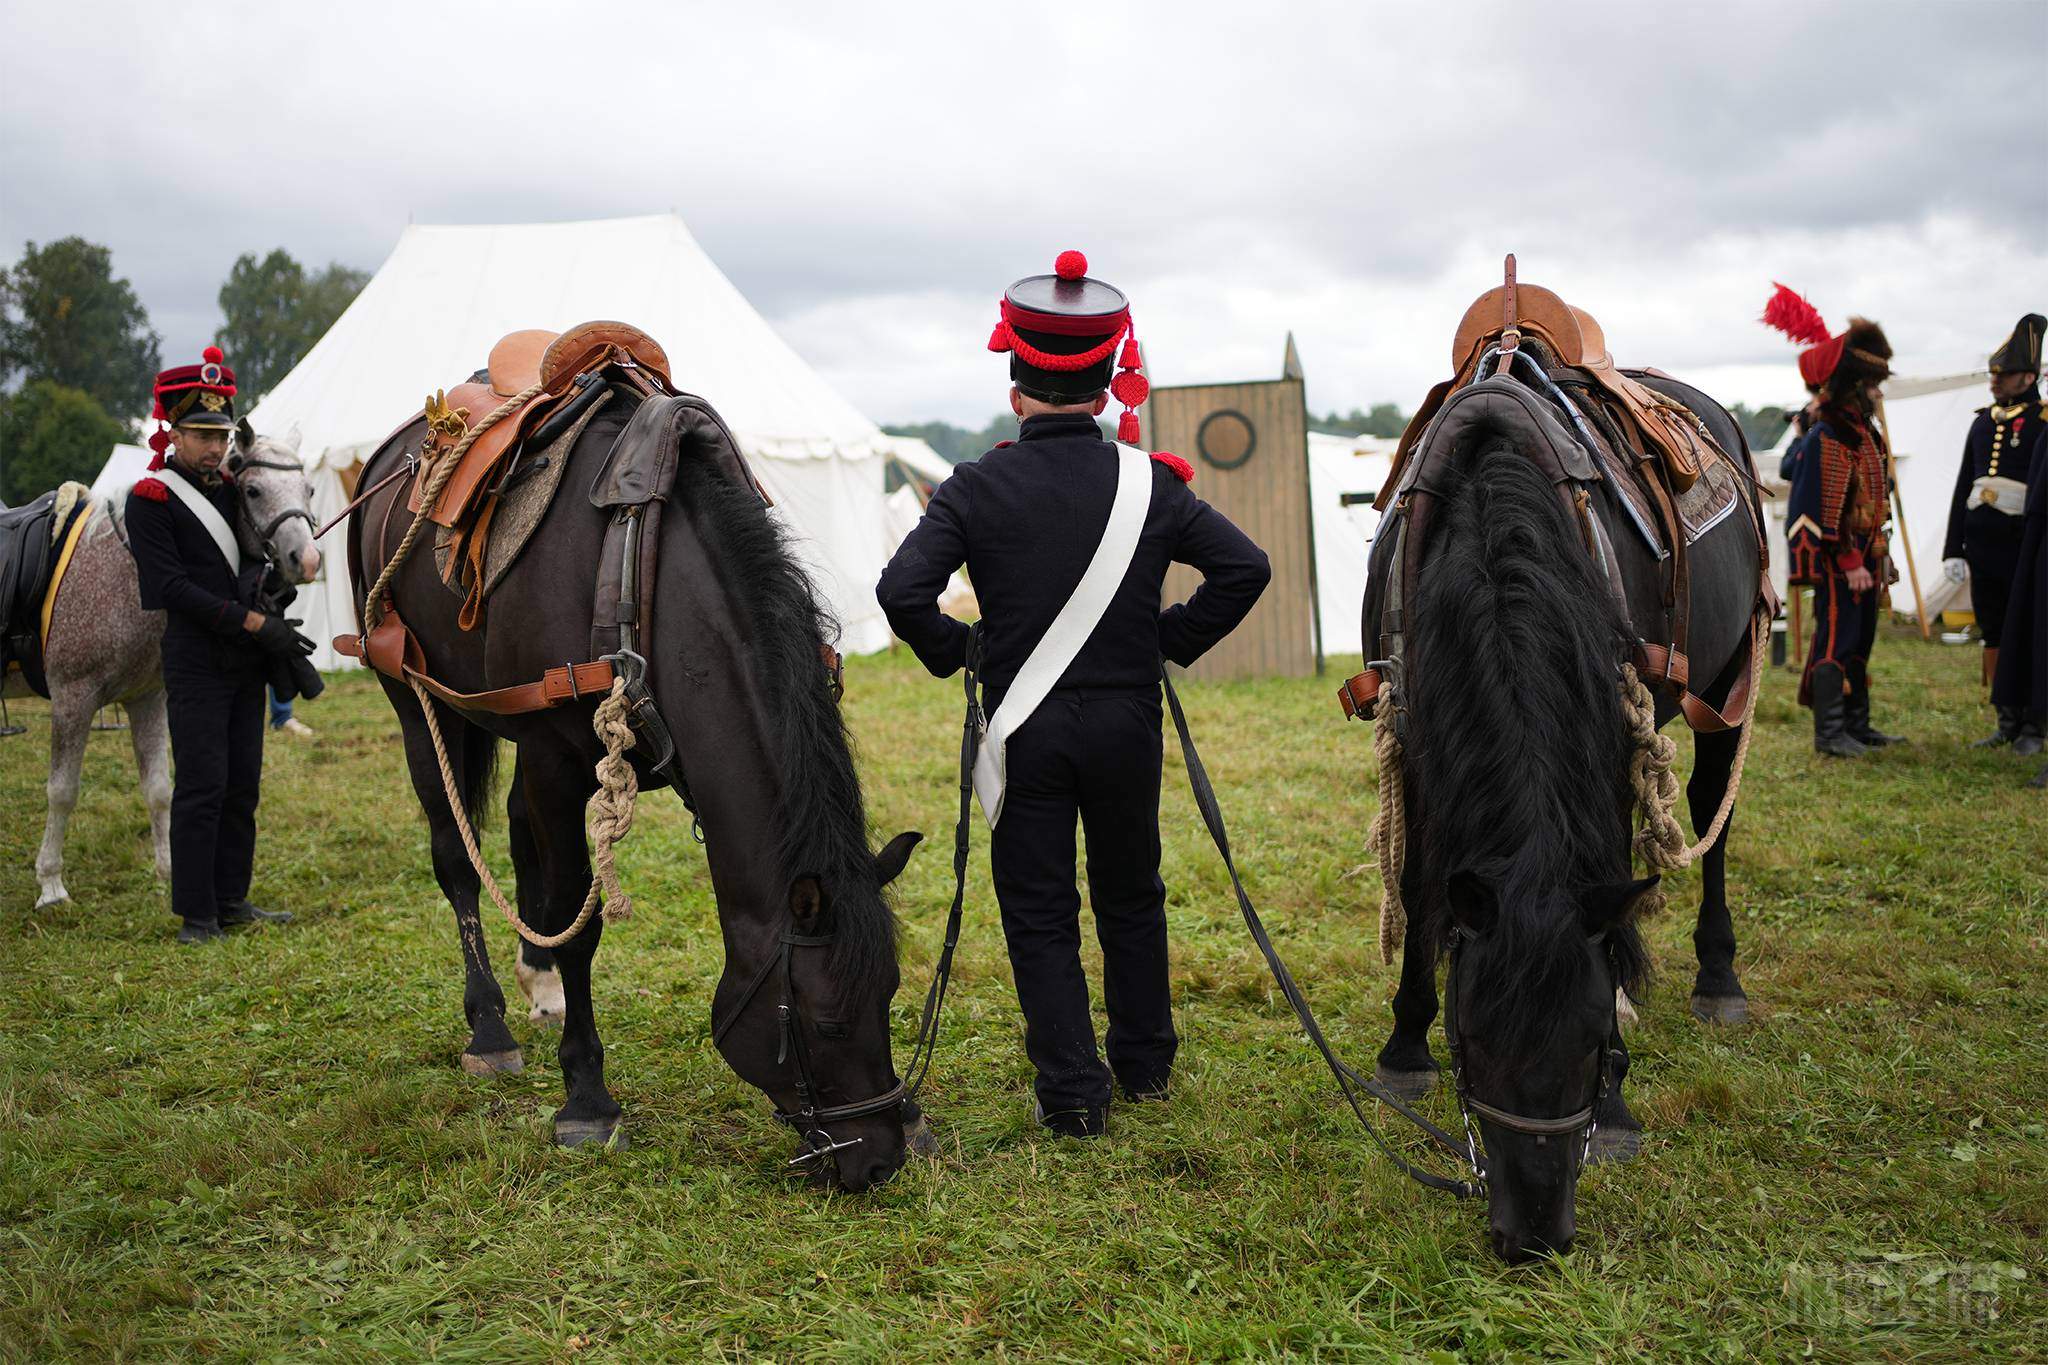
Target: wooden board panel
x=1267 y=496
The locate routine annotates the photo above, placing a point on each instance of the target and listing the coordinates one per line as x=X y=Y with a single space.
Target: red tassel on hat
x=1130 y=388
x=159 y=441
x=1130 y=359
x=1127 y=428
x=999 y=339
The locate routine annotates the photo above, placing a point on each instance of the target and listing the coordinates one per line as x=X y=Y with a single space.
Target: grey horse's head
x=277 y=497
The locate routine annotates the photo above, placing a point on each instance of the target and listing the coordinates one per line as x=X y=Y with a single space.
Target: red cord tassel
x=1130 y=359
x=999 y=339
x=1127 y=428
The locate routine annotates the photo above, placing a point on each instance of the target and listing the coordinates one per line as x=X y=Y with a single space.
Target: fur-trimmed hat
x=1859 y=354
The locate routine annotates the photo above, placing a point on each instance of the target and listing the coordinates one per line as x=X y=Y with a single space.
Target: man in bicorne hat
x=1986 y=517
x=217 y=647
x=1835 y=520
x=1028 y=519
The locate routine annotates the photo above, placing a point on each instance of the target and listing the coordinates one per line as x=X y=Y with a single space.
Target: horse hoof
x=1408 y=1086
x=51 y=902
x=590 y=1133
x=1615 y=1145
x=1728 y=1010
x=919 y=1139
x=493 y=1063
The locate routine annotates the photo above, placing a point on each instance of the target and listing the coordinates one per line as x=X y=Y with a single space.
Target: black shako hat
x=201 y=395
x=2021 y=353
x=1062 y=330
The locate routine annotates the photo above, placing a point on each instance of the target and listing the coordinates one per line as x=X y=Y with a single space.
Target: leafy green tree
x=66 y=319
x=50 y=433
x=959 y=444
x=1762 y=428
x=1385 y=419
x=274 y=314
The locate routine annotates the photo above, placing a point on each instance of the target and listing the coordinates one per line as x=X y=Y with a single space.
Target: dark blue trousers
x=1093 y=757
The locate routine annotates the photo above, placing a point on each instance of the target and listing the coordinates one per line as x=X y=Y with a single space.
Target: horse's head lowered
x=276 y=499
x=1530 y=1019
x=809 y=1025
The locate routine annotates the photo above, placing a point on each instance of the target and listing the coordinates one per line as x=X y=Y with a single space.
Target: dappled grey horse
x=104 y=648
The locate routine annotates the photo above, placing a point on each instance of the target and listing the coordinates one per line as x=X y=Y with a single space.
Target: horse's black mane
x=824 y=833
x=1519 y=748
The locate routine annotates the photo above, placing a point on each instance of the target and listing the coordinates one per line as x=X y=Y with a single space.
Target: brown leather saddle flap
x=1673 y=432
x=590 y=344
x=476 y=401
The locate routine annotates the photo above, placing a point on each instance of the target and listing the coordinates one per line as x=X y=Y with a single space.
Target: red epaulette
x=1182 y=470
x=153 y=489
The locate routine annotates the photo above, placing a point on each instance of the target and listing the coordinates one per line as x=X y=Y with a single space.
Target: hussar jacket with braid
x=1840 y=500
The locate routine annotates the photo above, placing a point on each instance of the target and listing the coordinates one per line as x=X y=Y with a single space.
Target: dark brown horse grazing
x=734 y=668
x=1519 y=803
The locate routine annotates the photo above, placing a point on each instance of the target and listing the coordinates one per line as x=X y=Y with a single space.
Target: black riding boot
x=2027 y=742
x=2008 y=729
x=1829 y=735
x=1856 y=712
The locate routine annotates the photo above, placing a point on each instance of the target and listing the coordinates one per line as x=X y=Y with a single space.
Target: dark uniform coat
x=2022 y=679
x=214 y=675
x=1025 y=521
x=2004 y=441
x=1835 y=522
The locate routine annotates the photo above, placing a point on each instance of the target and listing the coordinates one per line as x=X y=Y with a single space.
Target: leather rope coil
x=608 y=816
x=1390 y=835
x=1659 y=842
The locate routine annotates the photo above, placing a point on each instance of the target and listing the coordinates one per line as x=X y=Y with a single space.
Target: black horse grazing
x=1519 y=802
x=734 y=667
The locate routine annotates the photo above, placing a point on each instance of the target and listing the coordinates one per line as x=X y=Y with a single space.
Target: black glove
x=277 y=636
x=293 y=675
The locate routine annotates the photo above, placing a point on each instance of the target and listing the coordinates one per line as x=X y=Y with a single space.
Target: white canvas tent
x=1345 y=474
x=432 y=311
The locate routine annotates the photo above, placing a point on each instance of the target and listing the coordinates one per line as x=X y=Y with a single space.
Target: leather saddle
x=1666 y=437
x=566 y=375
x=554 y=362
x=27 y=559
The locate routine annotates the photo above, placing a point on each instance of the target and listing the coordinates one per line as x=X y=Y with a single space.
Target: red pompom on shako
x=1061 y=331
x=201 y=395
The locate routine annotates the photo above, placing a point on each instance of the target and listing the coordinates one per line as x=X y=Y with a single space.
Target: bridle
x=266 y=533
x=1586 y=1120
x=809 y=1119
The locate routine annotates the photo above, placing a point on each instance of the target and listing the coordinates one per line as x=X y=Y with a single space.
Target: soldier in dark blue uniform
x=1026 y=520
x=217 y=651
x=1986 y=519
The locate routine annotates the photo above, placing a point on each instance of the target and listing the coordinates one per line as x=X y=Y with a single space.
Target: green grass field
x=267 y=1150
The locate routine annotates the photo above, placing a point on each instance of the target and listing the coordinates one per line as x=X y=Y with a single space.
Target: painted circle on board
x=1226 y=439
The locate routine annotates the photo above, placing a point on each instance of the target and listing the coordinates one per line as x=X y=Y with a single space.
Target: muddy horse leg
x=557 y=783
x=471 y=753
x=71 y=709
x=1717 y=996
x=532 y=967
x=149 y=735
x=1405 y=1065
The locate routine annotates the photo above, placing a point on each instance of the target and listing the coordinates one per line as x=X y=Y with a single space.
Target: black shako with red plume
x=1062 y=332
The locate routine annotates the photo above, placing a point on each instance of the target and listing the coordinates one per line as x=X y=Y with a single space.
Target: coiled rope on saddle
x=608 y=815
x=1659 y=841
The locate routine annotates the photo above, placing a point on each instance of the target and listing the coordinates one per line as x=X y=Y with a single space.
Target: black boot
x=1856 y=712
x=1830 y=737
x=240 y=914
x=2028 y=742
x=197 y=931
x=2008 y=729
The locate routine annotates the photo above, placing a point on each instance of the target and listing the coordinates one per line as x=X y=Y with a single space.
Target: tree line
x=78 y=355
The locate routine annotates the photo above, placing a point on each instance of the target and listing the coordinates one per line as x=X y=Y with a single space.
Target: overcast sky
x=873 y=175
